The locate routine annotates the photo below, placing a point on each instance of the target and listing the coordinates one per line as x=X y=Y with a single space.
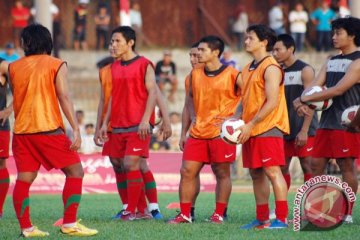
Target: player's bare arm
x=62 y=92
x=185 y=124
x=273 y=78
x=150 y=84
x=97 y=140
x=104 y=126
x=165 y=128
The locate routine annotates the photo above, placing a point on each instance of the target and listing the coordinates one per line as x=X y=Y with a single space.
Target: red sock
x=185 y=209
x=281 y=210
x=220 y=208
x=307 y=176
x=142 y=205
x=121 y=187
x=150 y=187
x=4 y=186
x=71 y=198
x=351 y=207
x=22 y=203
x=134 y=186
x=287 y=180
x=262 y=212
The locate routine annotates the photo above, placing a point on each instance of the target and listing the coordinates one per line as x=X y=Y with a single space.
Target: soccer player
x=341 y=76
x=186 y=121
x=5 y=112
x=130 y=110
x=39 y=84
x=298 y=76
x=165 y=129
x=213 y=95
x=266 y=121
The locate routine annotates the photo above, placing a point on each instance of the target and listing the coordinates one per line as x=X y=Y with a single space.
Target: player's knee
x=272 y=172
x=144 y=166
x=186 y=172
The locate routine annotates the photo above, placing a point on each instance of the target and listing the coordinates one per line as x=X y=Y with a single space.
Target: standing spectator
x=227 y=58
x=20 y=16
x=9 y=54
x=298 y=19
x=102 y=21
x=80 y=15
x=165 y=71
x=136 y=22
x=240 y=25
x=88 y=146
x=276 y=18
x=322 y=18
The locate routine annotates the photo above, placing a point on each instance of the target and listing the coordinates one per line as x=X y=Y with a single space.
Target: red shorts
x=107 y=146
x=209 y=151
x=293 y=151
x=330 y=143
x=51 y=151
x=260 y=152
x=128 y=144
x=4 y=144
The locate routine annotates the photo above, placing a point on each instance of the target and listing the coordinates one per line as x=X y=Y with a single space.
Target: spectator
x=165 y=71
x=9 y=54
x=175 y=120
x=20 y=16
x=102 y=21
x=227 y=59
x=340 y=7
x=322 y=18
x=240 y=25
x=56 y=26
x=298 y=19
x=79 y=114
x=276 y=18
x=157 y=143
x=136 y=23
x=80 y=15
x=88 y=146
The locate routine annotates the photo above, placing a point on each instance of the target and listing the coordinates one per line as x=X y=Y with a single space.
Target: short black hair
x=214 y=43
x=127 y=32
x=264 y=32
x=287 y=40
x=351 y=25
x=195 y=45
x=36 y=39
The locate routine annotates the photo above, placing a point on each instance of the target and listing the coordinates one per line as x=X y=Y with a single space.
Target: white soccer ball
x=320 y=105
x=228 y=130
x=158 y=116
x=349 y=114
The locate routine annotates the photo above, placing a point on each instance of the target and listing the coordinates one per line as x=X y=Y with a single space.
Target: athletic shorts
x=209 y=151
x=260 y=152
x=51 y=151
x=107 y=146
x=293 y=151
x=331 y=143
x=4 y=144
x=129 y=144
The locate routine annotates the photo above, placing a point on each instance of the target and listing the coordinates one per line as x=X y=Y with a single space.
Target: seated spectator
x=227 y=58
x=157 y=143
x=9 y=54
x=165 y=72
x=102 y=21
x=88 y=146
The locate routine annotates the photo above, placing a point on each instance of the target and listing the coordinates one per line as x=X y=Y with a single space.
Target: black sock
x=192 y=212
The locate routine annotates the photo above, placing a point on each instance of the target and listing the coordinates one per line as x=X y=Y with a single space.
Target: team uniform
x=293 y=89
x=39 y=137
x=215 y=97
x=4 y=146
x=265 y=146
x=332 y=139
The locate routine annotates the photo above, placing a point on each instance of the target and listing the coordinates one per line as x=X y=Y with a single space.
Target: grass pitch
x=96 y=212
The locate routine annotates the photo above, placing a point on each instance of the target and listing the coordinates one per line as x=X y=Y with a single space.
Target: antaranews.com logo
x=322 y=203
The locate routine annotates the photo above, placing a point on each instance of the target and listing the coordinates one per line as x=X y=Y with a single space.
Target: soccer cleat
x=127 y=216
x=180 y=218
x=78 y=230
x=34 y=233
x=277 y=224
x=118 y=215
x=348 y=219
x=156 y=214
x=256 y=224
x=143 y=216
x=272 y=215
x=216 y=218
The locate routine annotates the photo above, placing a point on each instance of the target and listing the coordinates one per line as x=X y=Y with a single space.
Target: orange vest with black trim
x=35 y=101
x=253 y=98
x=187 y=83
x=215 y=98
x=106 y=83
